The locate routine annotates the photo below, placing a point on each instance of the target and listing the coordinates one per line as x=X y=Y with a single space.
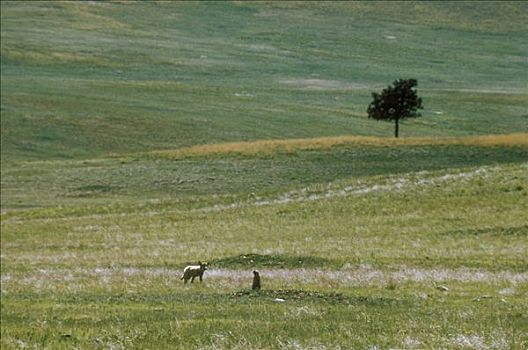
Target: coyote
x=193 y=271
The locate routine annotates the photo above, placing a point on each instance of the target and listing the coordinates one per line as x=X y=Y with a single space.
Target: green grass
x=85 y=79
x=140 y=137
x=225 y=178
x=357 y=269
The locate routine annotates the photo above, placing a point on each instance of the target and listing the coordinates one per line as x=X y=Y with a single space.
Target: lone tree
x=397 y=101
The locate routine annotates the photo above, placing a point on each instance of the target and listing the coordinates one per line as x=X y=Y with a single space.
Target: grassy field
x=357 y=260
x=83 y=79
x=140 y=137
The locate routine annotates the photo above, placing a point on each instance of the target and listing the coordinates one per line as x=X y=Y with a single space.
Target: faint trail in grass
x=391 y=184
x=323 y=191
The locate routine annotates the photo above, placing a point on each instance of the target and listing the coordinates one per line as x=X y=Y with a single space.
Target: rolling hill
x=83 y=79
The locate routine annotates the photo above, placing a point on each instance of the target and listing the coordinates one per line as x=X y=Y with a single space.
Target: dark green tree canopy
x=398 y=101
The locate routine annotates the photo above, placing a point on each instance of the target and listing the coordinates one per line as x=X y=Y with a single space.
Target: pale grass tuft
x=507 y=291
x=477 y=342
x=472 y=341
x=411 y=343
x=294 y=344
x=302 y=311
x=219 y=341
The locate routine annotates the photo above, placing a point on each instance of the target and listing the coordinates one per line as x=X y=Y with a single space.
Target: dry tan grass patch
x=320 y=143
x=91 y=20
x=52 y=57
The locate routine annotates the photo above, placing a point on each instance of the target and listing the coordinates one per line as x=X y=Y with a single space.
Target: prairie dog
x=256 y=281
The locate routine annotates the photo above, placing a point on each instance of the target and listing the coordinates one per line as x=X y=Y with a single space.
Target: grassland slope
x=82 y=79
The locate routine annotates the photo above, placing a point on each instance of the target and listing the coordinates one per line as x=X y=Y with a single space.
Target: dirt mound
x=273 y=260
x=286 y=295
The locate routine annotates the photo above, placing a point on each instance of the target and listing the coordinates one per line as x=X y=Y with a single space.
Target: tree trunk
x=396 y=128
